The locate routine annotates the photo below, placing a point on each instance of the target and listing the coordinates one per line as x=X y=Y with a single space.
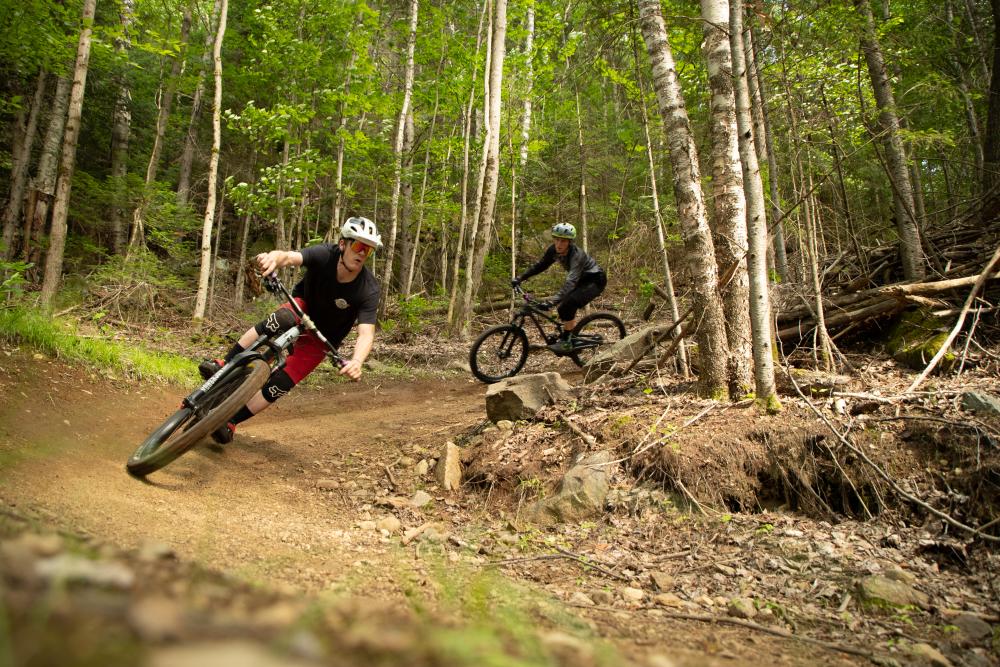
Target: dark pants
x=589 y=288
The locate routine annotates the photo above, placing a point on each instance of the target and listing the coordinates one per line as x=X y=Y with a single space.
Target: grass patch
x=20 y=326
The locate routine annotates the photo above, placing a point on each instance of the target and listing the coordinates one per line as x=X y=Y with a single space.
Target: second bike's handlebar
x=274 y=285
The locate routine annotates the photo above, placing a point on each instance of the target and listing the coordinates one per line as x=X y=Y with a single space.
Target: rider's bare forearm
x=278 y=259
x=364 y=343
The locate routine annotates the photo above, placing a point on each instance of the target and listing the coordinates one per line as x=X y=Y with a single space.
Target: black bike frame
x=259 y=348
x=529 y=311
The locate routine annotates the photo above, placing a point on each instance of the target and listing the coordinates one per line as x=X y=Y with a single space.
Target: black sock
x=241 y=416
x=233 y=351
x=565 y=334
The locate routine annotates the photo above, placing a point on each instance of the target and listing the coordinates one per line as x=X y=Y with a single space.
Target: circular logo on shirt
x=341 y=303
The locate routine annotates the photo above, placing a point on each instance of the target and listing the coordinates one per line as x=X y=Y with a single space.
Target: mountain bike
x=501 y=351
x=216 y=401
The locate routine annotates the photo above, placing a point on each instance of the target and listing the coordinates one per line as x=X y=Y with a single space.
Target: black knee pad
x=277 y=322
x=277 y=386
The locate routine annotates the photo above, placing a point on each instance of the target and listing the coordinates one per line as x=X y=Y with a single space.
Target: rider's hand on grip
x=515 y=282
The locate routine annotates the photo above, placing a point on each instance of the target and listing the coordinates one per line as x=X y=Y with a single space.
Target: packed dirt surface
x=254 y=506
x=317 y=499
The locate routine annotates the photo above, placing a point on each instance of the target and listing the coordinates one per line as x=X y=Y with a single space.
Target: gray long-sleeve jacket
x=576 y=262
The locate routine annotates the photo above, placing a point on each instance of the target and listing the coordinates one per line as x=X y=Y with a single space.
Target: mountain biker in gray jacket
x=585 y=280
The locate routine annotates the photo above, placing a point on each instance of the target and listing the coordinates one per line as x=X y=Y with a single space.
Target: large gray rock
x=625 y=351
x=885 y=592
x=520 y=397
x=981 y=402
x=581 y=493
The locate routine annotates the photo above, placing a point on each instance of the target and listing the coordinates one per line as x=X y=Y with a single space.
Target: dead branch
x=980 y=281
x=947 y=518
x=785 y=634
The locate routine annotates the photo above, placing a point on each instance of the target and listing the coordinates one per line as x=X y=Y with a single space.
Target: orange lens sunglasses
x=361 y=248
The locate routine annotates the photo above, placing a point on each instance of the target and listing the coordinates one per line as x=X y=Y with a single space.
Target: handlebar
x=274 y=285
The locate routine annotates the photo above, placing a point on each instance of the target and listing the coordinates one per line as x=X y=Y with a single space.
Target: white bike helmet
x=361 y=229
x=564 y=230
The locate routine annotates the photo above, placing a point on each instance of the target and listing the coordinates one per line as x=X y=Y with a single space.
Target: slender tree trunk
x=19 y=170
x=756 y=221
x=137 y=237
x=583 y=174
x=668 y=281
x=981 y=49
x=713 y=350
x=338 y=199
x=191 y=136
x=902 y=188
x=991 y=148
x=729 y=210
x=42 y=187
x=397 y=153
x=529 y=55
x=60 y=207
x=213 y=169
x=811 y=215
x=777 y=232
x=408 y=282
x=121 y=130
x=463 y=223
x=406 y=244
x=491 y=162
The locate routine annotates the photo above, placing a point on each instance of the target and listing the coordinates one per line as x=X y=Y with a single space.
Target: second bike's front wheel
x=500 y=352
x=594 y=334
x=186 y=427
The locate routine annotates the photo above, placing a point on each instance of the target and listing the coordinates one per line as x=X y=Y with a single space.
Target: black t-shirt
x=334 y=306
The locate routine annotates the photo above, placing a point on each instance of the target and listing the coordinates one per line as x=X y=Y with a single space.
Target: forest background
x=151 y=148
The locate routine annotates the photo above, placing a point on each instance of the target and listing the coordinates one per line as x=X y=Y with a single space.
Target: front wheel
x=500 y=352
x=594 y=334
x=186 y=427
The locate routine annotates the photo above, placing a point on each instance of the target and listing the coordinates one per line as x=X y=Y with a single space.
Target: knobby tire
x=184 y=429
x=500 y=352
x=605 y=325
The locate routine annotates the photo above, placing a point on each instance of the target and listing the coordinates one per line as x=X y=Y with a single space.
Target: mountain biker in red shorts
x=585 y=281
x=336 y=291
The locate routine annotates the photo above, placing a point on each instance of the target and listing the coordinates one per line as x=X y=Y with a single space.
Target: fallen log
x=898 y=291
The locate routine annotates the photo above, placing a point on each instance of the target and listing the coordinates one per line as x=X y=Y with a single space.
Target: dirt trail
x=253 y=506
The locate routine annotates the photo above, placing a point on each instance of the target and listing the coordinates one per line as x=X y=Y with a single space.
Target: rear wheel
x=594 y=334
x=186 y=427
x=500 y=352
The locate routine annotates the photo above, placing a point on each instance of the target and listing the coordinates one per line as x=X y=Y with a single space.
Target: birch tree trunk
x=191 y=136
x=397 y=153
x=463 y=222
x=19 y=169
x=899 y=175
x=213 y=169
x=729 y=207
x=713 y=350
x=756 y=221
x=406 y=241
x=668 y=281
x=522 y=162
x=60 y=207
x=491 y=163
x=42 y=187
x=777 y=231
x=583 y=174
x=121 y=129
